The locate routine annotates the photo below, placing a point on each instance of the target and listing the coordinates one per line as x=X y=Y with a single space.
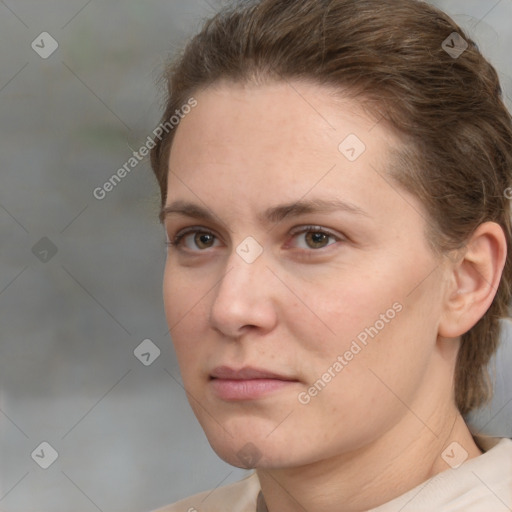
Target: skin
x=378 y=428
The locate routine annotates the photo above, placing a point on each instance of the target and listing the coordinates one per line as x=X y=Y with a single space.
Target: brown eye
x=203 y=240
x=194 y=240
x=317 y=239
x=313 y=237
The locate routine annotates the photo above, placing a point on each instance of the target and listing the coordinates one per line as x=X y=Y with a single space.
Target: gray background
x=70 y=321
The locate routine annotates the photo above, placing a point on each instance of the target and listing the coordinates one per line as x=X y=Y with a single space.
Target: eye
x=306 y=238
x=194 y=239
x=314 y=237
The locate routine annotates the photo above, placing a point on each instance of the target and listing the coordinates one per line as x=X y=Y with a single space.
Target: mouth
x=247 y=383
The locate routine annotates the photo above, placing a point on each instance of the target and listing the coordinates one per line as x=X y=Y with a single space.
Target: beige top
x=482 y=484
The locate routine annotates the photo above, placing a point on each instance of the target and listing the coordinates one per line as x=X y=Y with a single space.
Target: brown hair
x=390 y=55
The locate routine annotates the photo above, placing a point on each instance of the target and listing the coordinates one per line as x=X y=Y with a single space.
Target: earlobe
x=474 y=280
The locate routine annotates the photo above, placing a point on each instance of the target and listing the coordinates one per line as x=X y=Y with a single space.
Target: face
x=300 y=290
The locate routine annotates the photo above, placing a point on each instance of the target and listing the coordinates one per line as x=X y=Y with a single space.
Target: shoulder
x=239 y=497
x=481 y=484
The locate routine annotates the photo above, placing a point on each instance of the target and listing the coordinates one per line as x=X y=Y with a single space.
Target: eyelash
x=178 y=238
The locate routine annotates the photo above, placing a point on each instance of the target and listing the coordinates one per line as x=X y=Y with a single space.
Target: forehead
x=292 y=109
x=287 y=122
x=249 y=143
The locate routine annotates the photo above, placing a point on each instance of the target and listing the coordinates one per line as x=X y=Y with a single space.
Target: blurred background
x=92 y=412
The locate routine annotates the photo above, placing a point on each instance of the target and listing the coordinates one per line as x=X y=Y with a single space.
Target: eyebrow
x=270 y=215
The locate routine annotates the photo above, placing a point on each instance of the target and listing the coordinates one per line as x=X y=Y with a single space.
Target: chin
x=262 y=452
x=249 y=456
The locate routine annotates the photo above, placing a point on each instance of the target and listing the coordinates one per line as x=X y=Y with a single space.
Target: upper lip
x=246 y=373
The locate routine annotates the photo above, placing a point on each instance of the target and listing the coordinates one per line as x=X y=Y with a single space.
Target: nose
x=245 y=298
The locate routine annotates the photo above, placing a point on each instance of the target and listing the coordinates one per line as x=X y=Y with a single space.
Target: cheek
x=173 y=294
x=388 y=357
x=336 y=311
x=373 y=320
x=368 y=378
x=186 y=310
x=184 y=291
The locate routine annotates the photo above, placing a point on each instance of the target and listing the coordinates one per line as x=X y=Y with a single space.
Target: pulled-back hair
x=391 y=56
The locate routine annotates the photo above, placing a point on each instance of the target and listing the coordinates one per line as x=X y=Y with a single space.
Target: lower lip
x=251 y=389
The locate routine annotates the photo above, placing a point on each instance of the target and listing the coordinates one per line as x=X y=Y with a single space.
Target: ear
x=473 y=280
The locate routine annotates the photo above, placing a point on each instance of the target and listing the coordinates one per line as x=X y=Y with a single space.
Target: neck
x=401 y=459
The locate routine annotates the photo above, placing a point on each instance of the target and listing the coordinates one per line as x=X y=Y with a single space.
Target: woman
x=334 y=202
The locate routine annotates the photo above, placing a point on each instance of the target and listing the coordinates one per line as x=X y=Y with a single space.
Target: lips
x=246 y=373
x=247 y=383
